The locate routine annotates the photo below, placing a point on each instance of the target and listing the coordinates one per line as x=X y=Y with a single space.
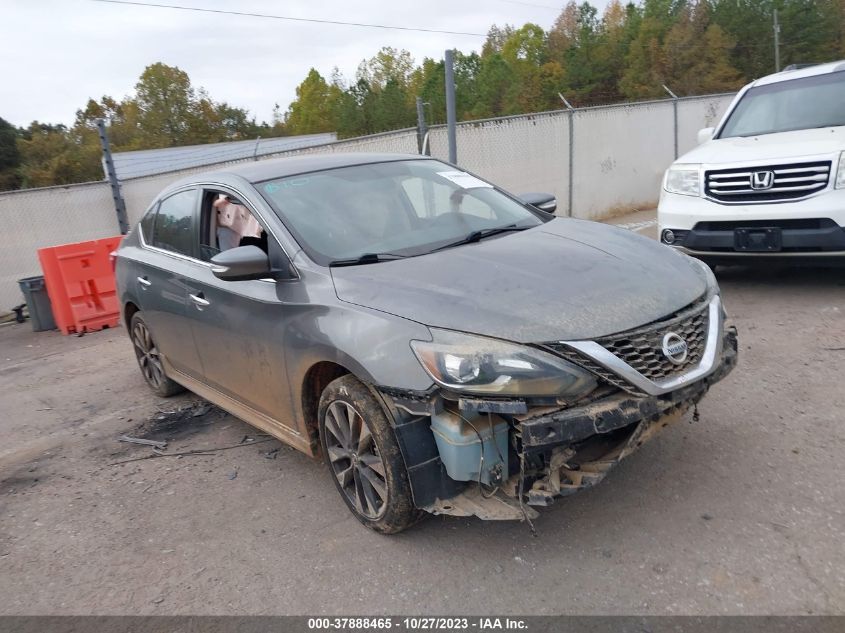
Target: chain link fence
x=597 y=161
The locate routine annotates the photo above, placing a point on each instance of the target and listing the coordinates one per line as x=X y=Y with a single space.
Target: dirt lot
x=742 y=512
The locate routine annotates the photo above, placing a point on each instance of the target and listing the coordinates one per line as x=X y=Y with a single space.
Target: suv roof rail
x=799 y=66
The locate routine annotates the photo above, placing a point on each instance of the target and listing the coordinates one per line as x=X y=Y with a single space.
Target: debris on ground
x=140 y=440
x=200 y=451
x=182 y=421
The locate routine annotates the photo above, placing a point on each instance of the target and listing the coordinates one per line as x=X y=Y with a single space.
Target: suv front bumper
x=813 y=228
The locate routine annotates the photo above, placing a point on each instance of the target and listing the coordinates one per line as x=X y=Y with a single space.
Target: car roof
x=290 y=166
x=800 y=73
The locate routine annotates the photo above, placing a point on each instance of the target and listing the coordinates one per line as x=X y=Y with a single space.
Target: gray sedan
x=444 y=346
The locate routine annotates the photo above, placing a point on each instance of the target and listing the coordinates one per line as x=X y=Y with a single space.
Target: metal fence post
x=451 y=116
x=111 y=176
x=571 y=121
x=422 y=127
x=675 y=114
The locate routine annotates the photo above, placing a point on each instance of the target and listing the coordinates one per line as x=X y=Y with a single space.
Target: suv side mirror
x=543 y=201
x=242 y=263
x=705 y=134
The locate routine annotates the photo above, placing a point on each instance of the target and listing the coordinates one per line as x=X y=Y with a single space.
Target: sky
x=56 y=54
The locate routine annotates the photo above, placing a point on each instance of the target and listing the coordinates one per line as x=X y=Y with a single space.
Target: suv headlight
x=683 y=179
x=840 y=173
x=485 y=366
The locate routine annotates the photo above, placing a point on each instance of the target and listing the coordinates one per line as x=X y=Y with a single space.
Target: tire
x=363 y=457
x=149 y=359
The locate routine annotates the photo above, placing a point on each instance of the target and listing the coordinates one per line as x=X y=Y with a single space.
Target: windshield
x=799 y=104
x=401 y=208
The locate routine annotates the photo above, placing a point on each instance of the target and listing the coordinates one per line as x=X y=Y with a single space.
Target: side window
x=174 y=228
x=225 y=223
x=147 y=225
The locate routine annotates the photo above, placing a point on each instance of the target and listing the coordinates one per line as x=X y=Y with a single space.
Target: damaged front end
x=495 y=457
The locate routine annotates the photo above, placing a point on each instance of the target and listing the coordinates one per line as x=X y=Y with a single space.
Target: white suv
x=769 y=181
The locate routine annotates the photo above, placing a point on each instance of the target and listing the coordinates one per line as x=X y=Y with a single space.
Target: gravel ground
x=739 y=513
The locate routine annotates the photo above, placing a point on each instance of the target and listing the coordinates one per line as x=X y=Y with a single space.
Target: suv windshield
x=392 y=209
x=798 y=104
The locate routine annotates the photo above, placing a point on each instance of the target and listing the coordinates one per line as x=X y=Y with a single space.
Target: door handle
x=199 y=300
x=146 y=283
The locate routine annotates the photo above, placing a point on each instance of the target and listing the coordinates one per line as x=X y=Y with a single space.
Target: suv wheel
x=149 y=359
x=361 y=451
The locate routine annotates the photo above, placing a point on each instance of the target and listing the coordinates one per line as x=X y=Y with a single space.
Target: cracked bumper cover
x=620 y=410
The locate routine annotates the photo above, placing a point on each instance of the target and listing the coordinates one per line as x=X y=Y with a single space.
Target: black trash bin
x=38 y=303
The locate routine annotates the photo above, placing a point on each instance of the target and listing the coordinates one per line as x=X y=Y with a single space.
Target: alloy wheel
x=355 y=459
x=147 y=354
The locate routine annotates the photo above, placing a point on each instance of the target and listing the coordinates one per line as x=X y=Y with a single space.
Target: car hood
x=768 y=148
x=564 y=280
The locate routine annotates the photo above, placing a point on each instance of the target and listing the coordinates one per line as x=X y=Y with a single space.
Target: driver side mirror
x=242 y=263
x=705 y=134
x=542 y=201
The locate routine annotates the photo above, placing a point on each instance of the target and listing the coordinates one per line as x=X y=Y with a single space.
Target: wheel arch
x=129 y=311
x=316 y=379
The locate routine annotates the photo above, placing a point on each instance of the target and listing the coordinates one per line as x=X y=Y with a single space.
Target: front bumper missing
x=570 y=449
x=619 y=410
x=581 y=445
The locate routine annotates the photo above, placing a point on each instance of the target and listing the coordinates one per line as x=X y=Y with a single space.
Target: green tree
x=391 y=110
x=10 y=158
x=311 y=111
x=697 y=54
x=167 y=106
x=495 y=80
x=54 y=155
x=385 y=65
x=810 y=30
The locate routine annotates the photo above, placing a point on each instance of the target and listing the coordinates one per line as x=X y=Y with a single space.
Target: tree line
x=627 y=53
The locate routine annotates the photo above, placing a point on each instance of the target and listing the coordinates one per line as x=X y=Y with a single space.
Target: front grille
x=802 y=224
x=642 y=348
x=788 y=182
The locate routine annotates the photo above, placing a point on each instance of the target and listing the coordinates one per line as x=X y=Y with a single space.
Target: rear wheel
x=363 y=456
x=149 y=359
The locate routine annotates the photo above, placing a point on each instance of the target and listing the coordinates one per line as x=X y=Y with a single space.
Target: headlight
x=840 y=174
x=479 y=365
x=683 y=179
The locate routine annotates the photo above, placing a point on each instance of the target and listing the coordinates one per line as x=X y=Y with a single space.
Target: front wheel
x=361 y=451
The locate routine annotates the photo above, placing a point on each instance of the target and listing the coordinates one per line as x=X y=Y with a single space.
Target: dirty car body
x=444 y=346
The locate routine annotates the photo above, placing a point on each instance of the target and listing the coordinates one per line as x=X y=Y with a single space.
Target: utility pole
x=451 y=116
x=111 y=176
x=674 y=115
x=571 y=177
x=777 y=41
x=422 y=128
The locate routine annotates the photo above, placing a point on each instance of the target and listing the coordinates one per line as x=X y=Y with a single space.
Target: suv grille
x=768 y=183
x=642 y=348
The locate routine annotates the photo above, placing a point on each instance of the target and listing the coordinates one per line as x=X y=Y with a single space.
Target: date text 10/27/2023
x=416 y=624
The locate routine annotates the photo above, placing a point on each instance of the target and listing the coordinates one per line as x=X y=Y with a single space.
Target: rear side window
x=174 y=226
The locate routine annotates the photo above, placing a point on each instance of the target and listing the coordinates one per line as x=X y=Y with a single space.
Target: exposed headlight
x=479 y=365
x=840 y=173
x=683 y=179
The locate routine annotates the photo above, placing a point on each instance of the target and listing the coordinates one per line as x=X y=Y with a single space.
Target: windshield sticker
x=463 y=179
x=273 y=187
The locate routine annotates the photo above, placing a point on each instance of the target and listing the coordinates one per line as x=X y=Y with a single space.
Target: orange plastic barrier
x=80 y=284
